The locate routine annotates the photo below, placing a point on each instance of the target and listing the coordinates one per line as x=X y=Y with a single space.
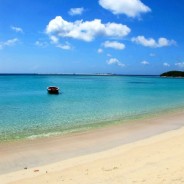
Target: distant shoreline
x=62 y=74
x=173 y=74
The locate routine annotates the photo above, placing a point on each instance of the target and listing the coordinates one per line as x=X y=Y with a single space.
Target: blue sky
x=91 y=36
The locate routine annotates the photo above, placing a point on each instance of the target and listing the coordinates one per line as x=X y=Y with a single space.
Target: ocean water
x=27 y=111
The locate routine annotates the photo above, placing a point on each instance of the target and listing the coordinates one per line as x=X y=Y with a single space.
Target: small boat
x=53 y=90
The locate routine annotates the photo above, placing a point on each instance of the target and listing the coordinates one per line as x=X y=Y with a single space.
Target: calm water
x=27 y=111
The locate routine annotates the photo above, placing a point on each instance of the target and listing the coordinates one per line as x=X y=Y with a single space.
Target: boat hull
x=53 y=90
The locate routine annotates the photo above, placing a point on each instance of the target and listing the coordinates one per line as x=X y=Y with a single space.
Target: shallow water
x=27 y=111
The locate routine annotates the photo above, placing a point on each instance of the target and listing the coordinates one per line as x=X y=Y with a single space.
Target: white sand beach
x=145 y=151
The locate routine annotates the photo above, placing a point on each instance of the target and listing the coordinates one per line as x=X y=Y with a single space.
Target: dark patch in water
x=141 y=82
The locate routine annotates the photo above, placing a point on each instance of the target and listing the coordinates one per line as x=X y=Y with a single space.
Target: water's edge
x=93 y=126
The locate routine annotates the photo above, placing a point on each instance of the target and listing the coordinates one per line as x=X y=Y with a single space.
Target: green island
x=173 y=74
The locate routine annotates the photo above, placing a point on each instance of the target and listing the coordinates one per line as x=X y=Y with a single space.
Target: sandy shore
x=145 y=151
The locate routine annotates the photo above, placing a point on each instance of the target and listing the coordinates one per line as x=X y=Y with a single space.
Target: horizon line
x=85 y=74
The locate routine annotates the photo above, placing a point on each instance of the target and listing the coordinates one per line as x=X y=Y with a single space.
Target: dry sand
x=155 y=157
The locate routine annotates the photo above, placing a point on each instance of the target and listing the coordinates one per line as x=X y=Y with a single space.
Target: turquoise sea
x=85 y=102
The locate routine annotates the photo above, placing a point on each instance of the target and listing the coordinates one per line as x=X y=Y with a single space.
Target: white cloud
x=17 y=29
x=114 y=45
x=145 y=63
x=76 y=11
x=166 y=64
x=150 y=42
x=163 y=42
x=86 y=31
x=180 y=64
x=54 y=39
x=65 y=46
x=131 y=8
x=143 y=41
x=10 y=42
x=100 y=51
x=41 y=44
x=115 y=61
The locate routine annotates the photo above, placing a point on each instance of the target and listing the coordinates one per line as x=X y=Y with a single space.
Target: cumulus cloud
x=145 y=63
x=86 y=31
x=100 y=51
x=114 y=45
x=115 y=61
x=150 y=42
x=10 y=42
x=166 y=64
x=180 y=64
x=76 y=11
x=131 y=8
x=163 y=42
x=17 y=29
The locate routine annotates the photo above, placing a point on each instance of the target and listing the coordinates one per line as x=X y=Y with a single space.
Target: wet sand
x=146 y=150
